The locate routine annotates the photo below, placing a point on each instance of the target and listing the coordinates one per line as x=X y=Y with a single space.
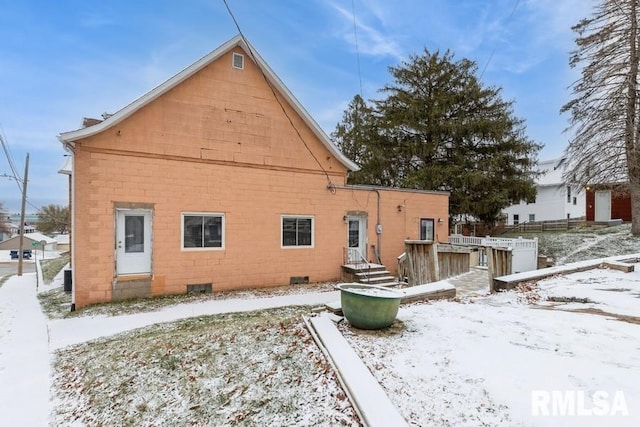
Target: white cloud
x=371 y=40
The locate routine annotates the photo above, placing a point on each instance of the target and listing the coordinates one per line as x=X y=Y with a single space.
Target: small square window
x=238 y=61
x=532 y=217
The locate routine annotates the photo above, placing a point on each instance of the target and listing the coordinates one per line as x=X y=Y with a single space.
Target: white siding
x=551 y=200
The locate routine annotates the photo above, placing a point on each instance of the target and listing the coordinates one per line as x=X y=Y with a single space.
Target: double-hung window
x=202 y=230
x=297 y=231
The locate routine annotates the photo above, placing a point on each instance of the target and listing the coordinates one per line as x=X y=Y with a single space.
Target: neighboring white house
x=14 y=229
x=555 y=199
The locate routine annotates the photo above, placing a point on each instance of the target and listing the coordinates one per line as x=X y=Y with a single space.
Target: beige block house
x=219 y=177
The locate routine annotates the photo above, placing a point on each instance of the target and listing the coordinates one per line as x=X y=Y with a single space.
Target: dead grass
x=56 y=303
x=258 y=368
x=590 y=310
x=52 y=266
x=586 y=243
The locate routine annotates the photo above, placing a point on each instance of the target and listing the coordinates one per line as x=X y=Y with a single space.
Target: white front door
x=133 y=241
x=356 y=239
x=603 y=206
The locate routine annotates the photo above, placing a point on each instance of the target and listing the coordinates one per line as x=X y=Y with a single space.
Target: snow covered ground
x=562 y=352
x=498 y=360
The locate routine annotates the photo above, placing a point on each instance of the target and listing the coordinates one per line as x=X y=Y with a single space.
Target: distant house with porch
x=220 y=179
x=555 y=198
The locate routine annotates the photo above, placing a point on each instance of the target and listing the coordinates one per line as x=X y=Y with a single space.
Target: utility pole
x=24 y=203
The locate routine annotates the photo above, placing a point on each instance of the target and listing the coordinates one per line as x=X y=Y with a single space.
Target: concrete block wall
x=219 y=143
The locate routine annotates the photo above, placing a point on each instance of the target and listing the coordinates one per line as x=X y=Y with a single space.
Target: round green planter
x=369 y=307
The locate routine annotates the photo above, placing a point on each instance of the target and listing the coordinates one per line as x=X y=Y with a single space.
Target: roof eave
x=122 y=114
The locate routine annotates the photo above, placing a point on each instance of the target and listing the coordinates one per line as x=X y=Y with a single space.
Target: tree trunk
x=632 y=131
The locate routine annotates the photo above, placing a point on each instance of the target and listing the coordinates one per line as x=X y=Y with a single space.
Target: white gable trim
x=237 y=41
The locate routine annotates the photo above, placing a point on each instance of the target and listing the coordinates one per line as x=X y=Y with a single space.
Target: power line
x=275 y=95
x=513 y=11
x=5 y=147
x=355 y=34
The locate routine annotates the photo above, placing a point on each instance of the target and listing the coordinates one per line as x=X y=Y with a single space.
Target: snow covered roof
x=237 y=41
x=39 y=237
x=62 y=239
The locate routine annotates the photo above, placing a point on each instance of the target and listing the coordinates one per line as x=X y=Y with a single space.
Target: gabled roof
x=237 y=41
x=12 y=243
x=552 y=171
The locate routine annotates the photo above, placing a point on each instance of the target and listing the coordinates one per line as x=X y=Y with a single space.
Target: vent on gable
x=238 y=61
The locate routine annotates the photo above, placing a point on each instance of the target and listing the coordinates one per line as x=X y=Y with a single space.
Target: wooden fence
x=425 y=261
x=498 y=263
x=540 y=226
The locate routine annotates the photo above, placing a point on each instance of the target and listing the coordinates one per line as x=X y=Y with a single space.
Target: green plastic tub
x=369 y=307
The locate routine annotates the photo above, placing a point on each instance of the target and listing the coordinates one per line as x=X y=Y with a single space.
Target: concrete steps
x=368 y=274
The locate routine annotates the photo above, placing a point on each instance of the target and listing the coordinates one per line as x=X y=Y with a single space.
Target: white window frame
x=313 y=231
x=433 y=228
x=233 y=60
x=203 y=214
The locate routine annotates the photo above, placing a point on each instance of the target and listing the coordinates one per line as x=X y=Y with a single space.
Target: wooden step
x=378 y=280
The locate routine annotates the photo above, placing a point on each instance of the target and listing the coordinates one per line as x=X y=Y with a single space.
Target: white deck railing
x=525 y=251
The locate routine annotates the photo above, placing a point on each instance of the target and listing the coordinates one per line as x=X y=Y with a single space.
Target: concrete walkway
x=65 y=332
x=24 y=355
x=473 y=283
x=28 y=338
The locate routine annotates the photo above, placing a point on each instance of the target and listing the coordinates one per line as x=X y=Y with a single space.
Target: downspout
x=70 y=147
x=378 y=229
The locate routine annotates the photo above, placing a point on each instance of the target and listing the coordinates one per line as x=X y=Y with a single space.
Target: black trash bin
x=67 y=281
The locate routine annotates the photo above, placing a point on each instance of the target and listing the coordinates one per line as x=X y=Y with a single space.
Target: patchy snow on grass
x=258 y=368
x=181 y=361
x=587 y=243
x=606 y=290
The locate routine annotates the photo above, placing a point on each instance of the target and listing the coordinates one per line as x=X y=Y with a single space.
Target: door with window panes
x=133 y=241
x=356 y=239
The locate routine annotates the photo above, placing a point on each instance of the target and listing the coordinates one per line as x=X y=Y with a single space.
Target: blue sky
x=64 y=60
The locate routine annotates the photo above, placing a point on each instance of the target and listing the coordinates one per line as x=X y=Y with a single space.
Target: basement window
x=238 y=61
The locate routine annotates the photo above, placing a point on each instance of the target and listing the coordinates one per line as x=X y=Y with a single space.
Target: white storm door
x=357 y=240
x=603 y=206
x=133 y=241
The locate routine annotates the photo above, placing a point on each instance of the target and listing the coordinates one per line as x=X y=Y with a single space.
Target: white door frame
x=356 y=239
x=602 y=205
x=133 y=251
